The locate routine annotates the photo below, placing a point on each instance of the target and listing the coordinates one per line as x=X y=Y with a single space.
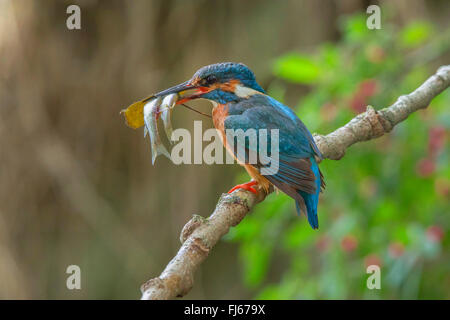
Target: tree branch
x=200 y=235
x=373 y=124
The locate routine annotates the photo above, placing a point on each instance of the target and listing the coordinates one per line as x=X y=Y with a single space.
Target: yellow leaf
x=134 y=114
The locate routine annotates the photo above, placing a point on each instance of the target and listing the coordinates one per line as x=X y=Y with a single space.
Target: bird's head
x=220 y=83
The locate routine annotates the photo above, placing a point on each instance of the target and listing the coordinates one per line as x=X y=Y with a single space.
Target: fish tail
x=158 y=149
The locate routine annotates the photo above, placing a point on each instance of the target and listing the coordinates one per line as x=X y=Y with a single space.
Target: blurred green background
x=77 y=186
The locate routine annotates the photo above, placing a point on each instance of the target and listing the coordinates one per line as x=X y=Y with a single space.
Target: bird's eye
x=210 y=79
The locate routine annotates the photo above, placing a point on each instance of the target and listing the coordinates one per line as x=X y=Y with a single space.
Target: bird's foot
x=247 y=186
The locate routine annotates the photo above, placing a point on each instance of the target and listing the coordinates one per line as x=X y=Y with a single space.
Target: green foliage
x=297 y=68
x=416 y=34
x=386 y=201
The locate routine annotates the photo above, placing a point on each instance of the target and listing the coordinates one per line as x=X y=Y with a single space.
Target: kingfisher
x=239 y=102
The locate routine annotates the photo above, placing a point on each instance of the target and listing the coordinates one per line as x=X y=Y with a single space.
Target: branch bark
x=200 y=235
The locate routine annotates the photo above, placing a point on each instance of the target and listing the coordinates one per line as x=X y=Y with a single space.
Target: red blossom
x=358 y=104
x=366 y=89
x=396 y=249
x=435 y=233
x=436 y=140
x=372 y=259
x=349 y=243
x=425 y=167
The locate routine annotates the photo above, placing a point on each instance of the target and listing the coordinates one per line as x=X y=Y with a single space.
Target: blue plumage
x=311 y=199
x=298 y=174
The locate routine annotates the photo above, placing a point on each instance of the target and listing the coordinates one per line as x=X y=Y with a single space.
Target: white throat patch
x=244 y=92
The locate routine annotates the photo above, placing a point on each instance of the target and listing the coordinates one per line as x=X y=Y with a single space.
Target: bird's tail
x=311 y=200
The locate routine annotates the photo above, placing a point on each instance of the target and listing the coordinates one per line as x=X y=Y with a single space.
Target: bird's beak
x=179 y=89
x=186 y=91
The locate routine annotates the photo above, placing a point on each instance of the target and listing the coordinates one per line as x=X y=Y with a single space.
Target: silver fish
x=166 y=106
x=151 y=110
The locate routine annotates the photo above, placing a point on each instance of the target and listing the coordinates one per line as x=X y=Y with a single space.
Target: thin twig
x=202 y=113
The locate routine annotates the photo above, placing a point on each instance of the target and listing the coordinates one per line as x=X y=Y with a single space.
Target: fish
x=166 y=106
x=151 y=111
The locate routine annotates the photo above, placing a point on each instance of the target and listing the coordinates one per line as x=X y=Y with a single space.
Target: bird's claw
x=246 y=186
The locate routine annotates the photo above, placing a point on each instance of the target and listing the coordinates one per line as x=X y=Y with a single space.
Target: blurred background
x=77 y=185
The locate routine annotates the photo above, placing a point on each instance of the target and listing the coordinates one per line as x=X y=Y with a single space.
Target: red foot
x=247 y=186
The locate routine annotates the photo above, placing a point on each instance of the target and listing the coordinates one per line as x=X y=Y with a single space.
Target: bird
x=239 y=102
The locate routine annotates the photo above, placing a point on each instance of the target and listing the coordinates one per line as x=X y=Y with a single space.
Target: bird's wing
x=295 y=148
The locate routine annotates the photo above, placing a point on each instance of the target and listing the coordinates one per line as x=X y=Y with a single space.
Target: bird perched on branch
x=240 y=103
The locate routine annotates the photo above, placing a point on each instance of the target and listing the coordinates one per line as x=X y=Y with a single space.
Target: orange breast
x=219 y=113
